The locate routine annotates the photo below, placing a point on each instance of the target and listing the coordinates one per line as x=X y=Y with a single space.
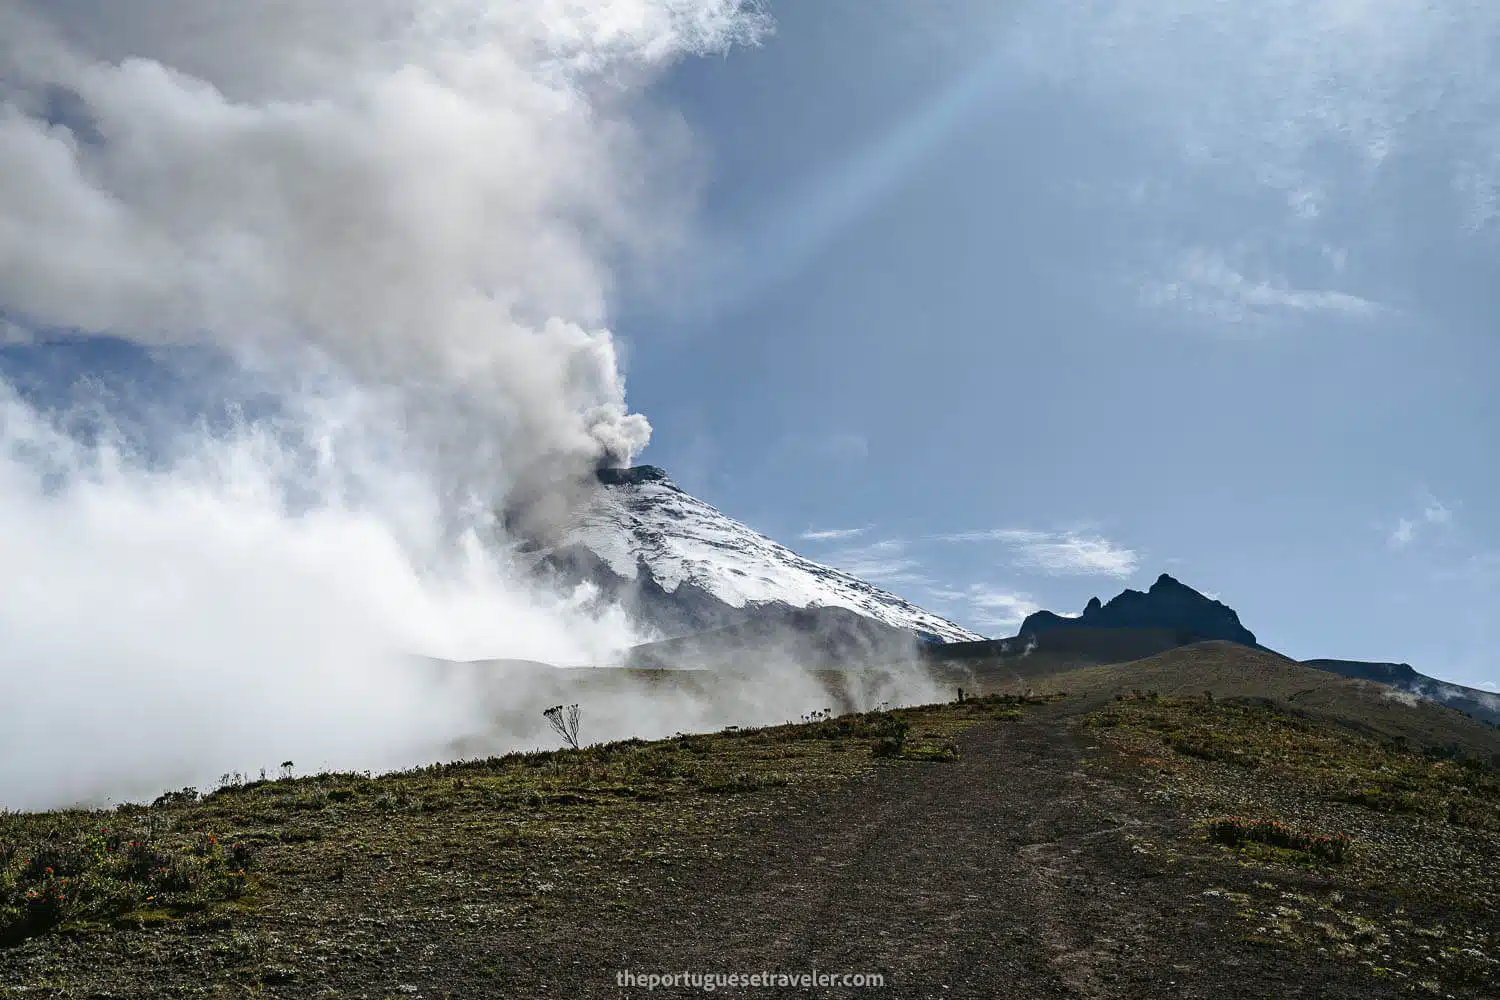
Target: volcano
x=678 y=566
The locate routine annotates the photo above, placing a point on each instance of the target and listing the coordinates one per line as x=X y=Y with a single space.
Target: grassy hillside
x=1305 y=831
x=1398 y=845
x=200 y=860
x=1228 y=670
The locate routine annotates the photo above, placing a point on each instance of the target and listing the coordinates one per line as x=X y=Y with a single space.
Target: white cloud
x=1433 y=517
x=986 y=606
x=1292 y=95
x=1205 y=283
x=887 y=561
x=998 y=608
x=1489 y=685
x=193 y=623
x=1065 y=553
x=832 y=534
x=1436 y=513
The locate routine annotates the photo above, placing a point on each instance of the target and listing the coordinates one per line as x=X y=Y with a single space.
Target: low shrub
x=945 y=751
x=1234 y=831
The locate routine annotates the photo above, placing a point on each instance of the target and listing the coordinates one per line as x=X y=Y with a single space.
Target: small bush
x=239 y=855
x=946 y=751
x=54 y=858
x=141 y=859
x=184 y=797
x=741 y=782
x=1235 y=831
x=45 y=903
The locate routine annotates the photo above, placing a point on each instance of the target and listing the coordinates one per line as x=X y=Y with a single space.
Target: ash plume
x=426 y=195
x=397 y=218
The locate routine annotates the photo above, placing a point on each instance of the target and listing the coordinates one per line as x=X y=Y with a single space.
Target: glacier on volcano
x=678 y=565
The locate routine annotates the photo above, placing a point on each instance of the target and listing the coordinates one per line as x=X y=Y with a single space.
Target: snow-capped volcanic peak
x=639 y=523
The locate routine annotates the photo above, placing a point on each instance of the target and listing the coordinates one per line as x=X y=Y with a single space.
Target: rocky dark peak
x=1167 y=583
x=1169 y=604
x=633 y=476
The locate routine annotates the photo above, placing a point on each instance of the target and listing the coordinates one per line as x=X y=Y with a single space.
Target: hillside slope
x=999 y=847
x=1136 y=624
x=1401 y=676
x=1231 y=671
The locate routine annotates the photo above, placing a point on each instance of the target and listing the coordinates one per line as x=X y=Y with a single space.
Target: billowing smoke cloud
x=402 y=216
x=422 y=192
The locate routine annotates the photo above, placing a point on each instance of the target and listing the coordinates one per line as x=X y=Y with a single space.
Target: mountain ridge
x=1176 y=615
x=711 y=587
x=1169 y=604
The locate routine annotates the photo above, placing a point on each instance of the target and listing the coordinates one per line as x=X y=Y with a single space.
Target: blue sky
x=1005 y=306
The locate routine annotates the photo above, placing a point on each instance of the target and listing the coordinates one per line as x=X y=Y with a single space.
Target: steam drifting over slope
x=401 y=216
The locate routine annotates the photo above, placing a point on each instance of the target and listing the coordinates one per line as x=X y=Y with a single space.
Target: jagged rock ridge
x=1169 y=604
x=1172 y=613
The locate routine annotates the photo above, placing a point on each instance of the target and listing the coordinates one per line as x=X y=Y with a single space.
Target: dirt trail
x=1007 y=873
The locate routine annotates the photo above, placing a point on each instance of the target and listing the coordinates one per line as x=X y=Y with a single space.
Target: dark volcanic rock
x=633 y=476
x=1401 y=675
x=1167 y=605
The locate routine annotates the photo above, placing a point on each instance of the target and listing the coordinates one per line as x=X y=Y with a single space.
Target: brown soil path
x=1006 y=874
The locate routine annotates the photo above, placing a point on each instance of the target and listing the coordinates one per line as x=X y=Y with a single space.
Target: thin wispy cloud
x=1304 y=97
x=887 y=561
x=1058 y=553
x=833 y=534
x=1433 y=518
x=1205 y=283
x=985 y=606
x=999 y=608
x=834 y=446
